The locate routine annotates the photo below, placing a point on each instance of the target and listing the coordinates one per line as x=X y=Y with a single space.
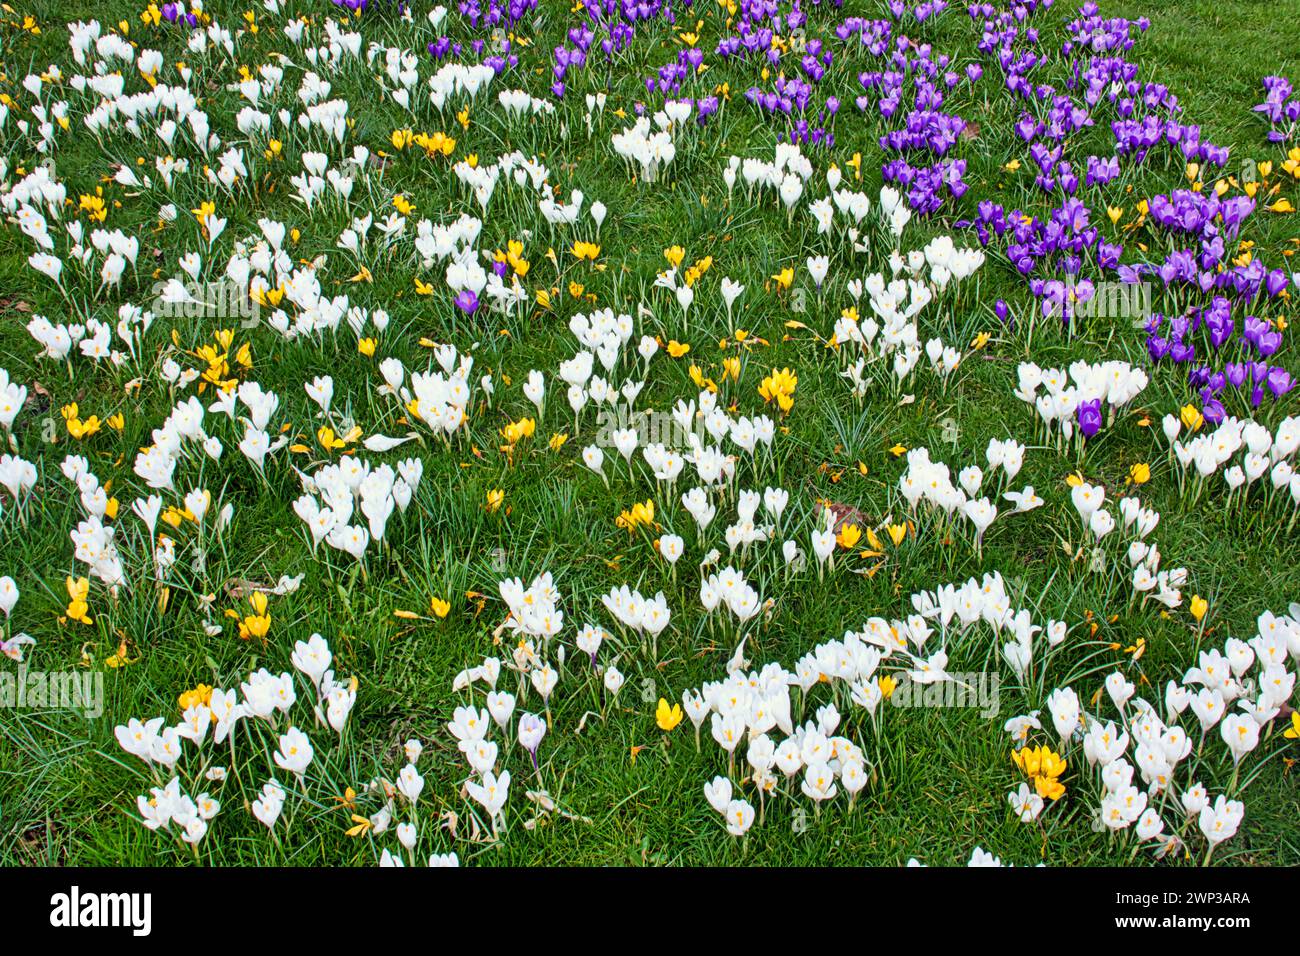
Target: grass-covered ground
x=940 y=777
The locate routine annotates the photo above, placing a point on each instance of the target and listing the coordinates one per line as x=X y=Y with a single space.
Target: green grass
x=67 y=791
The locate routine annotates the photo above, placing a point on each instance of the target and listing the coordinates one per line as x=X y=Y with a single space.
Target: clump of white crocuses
x=224 y=734
x=771 y=718
x=1244 y=451
x=888 y=340
x=399 y=799
x=646 y=151
x=592 y=375
x=440 y=398
x=638 y=617
x=930 y=483
x=491 y=710
x=786 y=176
x=1142 y=764
x=348 y=504
x=1142 y=557
x=1102 y=389
x=18 y=476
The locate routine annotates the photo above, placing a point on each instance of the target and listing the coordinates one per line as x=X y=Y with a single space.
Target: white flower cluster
x=520 y=103
x=437 y=242
x=18 y=476
x=931 y=482
x=713 y=467
x=729 y=589
x=471 y=725
x=644 y=149
x=265 y=697
x=852 y=206
x=534 y=611
x=470 y=728
x=168 y=805
x=948 y=263
x=786 y=175
x=156 y=465
x=440 y=399
x=603 y=336
x=637 y=613
x=317 y=175
x=458 y=79
x=1262 y=452
x=1138 y=522
x=335 y=492
x=401 y=71
x=405 y=791
x=746 y=529
x=915 y=281
x=749 y=706
x=93 y=538
x=1114 y=384
x=1151 y=745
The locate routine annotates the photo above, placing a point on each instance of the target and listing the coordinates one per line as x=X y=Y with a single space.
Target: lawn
x=508 y=494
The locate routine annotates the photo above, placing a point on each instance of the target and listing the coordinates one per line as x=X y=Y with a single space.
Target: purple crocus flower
x=467 y=301
x=1279 y=381
x=1089 y=417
